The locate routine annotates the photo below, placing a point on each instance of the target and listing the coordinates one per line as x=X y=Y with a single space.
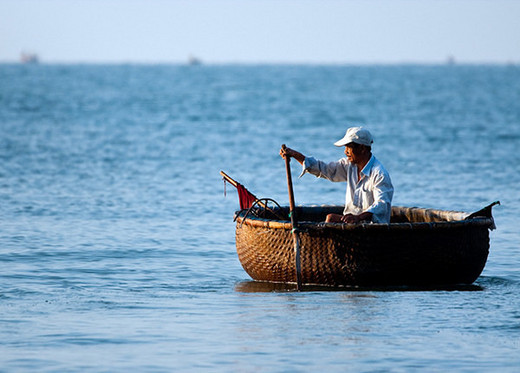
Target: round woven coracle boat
x=419 y=247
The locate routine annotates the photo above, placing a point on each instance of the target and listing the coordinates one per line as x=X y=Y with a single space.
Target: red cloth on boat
x=245 y=197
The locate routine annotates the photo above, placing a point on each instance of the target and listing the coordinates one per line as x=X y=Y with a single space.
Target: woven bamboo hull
x=406 y=252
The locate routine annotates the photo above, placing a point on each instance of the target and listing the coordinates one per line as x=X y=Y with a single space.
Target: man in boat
x=369 y=188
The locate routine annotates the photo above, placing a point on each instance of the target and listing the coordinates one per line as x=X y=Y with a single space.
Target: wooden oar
x=294 y=222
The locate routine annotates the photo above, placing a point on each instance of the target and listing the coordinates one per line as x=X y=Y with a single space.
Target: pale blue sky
x=258 y=31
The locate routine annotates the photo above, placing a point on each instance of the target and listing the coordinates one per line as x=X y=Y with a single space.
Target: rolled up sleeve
x=333 y=171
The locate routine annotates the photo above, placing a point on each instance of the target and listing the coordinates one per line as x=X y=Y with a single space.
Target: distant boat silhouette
x=29 y=58
x=450 y=60
x=194 y=61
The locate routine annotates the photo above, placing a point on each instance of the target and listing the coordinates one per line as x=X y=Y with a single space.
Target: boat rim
x=242 y=217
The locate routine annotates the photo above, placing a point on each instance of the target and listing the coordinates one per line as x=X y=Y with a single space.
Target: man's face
x=353 y=152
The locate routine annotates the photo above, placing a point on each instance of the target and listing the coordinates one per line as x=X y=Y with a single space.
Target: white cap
x=359 y=135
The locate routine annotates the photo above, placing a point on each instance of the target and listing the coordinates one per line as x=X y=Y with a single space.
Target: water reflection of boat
x=279 y=287
x=419 y=247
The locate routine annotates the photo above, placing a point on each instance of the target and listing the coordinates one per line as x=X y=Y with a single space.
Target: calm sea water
x=117 y=243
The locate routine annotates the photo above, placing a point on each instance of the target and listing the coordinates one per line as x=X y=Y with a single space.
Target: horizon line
x=201 y=62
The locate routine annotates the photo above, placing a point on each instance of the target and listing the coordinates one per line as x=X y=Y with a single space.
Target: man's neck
x=363 y=162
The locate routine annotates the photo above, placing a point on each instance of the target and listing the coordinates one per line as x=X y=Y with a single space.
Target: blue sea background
x=117 y=244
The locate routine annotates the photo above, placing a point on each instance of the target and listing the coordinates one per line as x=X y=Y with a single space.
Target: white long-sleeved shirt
x=373 y=192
